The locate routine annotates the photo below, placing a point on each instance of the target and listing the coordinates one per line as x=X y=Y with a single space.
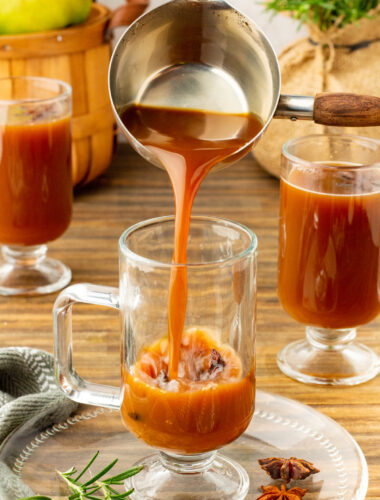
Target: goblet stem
x=329 y=339
x=26 y=270
x=172 y=476
x=187 y=464
x=23 y=256
x=329 y=357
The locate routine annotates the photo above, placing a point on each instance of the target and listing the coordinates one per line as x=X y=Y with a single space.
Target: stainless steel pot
x=204 y=54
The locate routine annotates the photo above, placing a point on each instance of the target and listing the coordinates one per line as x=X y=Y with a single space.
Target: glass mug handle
x=74 y=386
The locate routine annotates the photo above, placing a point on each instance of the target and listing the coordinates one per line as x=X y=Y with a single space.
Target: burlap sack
x=338 y=60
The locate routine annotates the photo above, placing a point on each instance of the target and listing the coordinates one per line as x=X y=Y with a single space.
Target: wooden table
x=131 y=191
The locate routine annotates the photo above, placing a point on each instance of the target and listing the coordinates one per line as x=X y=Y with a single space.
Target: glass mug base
x=167 y=476
x=329 y=357
x=27 y=271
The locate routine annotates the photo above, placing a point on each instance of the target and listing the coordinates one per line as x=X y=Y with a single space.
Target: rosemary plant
x=95 y=485
x=324 y=13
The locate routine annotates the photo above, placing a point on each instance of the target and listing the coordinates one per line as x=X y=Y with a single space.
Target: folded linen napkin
x=27 y=388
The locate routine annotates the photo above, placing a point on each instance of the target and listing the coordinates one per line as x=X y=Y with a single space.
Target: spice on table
x=274 y=493
x=287 y=468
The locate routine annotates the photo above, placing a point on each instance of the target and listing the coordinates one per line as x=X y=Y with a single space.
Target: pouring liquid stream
x=188 y=143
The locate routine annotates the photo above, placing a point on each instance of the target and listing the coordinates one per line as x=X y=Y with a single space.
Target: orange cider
x=179 y=409
x=35 y=180
x=208 y=405
x=329 y=258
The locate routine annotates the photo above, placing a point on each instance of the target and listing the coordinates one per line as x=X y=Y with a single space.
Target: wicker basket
x=80 y=56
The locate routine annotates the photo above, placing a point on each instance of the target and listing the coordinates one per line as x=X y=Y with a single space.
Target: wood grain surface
x=341 y=109
x=131 y=191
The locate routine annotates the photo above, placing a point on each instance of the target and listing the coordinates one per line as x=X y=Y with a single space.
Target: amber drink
x=187 y=293
x=35 y=182
x=210 y=401
x=329 y=255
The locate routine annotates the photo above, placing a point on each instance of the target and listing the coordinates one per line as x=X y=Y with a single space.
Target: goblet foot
x=329 y=357
x=198 y=477
x=27 y=271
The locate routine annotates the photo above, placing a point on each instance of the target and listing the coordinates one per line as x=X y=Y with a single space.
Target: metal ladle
x=204 y=54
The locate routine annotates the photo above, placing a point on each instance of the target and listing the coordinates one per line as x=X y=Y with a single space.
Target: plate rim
x=40 y=437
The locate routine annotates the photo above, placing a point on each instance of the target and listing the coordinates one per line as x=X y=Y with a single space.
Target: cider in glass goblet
x=329 y=255
x=35 y=182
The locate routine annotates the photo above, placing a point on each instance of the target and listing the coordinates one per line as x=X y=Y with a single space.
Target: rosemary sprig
x=324 y=13
x=94 y=485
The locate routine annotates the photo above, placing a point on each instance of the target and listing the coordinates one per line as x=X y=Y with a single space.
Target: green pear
x=27 y=16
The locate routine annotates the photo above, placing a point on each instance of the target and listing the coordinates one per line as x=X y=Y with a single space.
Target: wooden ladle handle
x=347 y=110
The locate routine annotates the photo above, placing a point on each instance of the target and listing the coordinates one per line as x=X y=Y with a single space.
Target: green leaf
x=88 y=465
x=123 y=495
x=112 y=490
x=101 y=473
x=69 y=472
x=36 y=497
x=324 y=13
x=124 y=475
x=92 y=486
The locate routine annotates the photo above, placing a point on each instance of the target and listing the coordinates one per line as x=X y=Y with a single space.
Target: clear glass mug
x=329 y=255
x=212 y=401
x=35 y=182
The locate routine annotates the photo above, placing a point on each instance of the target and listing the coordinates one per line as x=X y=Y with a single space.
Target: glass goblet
x=329 y=255
x=35 y=182
x=211 y=401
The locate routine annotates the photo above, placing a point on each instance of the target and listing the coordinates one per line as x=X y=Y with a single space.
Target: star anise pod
x=217 y=363
x=287 y=468
x=163 y=377
x=273 y=493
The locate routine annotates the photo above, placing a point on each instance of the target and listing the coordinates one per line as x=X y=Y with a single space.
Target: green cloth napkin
x=27 y=388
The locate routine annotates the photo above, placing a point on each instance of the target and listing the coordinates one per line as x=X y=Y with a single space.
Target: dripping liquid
x=188 y=143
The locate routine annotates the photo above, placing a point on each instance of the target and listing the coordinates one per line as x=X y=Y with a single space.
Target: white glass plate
x=281 y=427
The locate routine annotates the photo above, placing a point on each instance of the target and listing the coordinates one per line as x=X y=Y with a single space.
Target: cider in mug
x=187 y=298
x=167 y=402
x=209 y=405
